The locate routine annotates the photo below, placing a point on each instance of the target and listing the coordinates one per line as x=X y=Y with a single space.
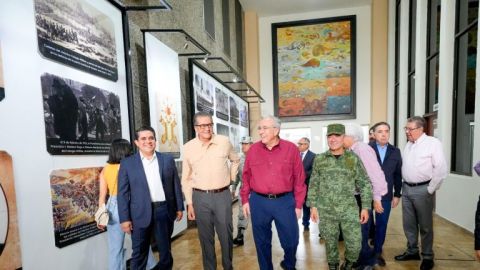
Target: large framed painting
x=314 y=69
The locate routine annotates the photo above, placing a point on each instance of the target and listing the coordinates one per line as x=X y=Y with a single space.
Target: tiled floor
x=453 y=248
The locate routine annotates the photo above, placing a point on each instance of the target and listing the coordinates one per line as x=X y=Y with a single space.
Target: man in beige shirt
x=209 y=165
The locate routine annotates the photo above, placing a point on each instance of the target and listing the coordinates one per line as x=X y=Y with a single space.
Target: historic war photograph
x=2 y=83
x=223 y=130
x=204 y=96
x=74 y=203
x=76 y=34
x=221 y=101
x=79 y=118
x=244 y=115
x=234 y=113
x=235 y=139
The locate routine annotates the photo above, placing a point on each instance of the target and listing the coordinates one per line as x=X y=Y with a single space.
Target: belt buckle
x=271 y=196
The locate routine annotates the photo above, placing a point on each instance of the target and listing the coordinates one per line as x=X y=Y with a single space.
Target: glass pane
x=411 y=95
x=467 y=12
x=226 y=26
x=412 y=34
x=397 y=41
x=434 y=26
x=464 y=102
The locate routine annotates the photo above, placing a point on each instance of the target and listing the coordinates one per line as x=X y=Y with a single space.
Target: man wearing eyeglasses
x=307 y=160
x=423 y=170
x=273 y=190
x=209 y=165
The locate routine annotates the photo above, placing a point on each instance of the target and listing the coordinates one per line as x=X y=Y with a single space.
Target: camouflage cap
x=338 y=129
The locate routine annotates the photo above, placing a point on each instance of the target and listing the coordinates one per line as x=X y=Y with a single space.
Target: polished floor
x=453 y=248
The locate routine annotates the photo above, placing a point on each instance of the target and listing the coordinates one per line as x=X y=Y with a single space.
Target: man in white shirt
x=423 y=170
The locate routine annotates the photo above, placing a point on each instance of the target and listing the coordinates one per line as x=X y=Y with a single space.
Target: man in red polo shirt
x=273 y=190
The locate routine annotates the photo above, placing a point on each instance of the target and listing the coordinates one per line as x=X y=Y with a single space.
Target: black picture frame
x=310 y=57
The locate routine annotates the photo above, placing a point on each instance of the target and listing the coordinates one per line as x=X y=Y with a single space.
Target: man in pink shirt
x=423 y=170
x=354 y=141
x=273 y=190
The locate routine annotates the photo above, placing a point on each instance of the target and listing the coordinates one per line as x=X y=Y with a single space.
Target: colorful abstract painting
x=314 y=69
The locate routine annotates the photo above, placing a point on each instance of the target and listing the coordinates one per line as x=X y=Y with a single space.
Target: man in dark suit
x=307 y=159
x=149 y=199
x=390 y=160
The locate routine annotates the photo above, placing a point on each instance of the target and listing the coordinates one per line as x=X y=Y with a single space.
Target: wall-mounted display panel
x=80 y=119
x=10 y=253
x=229 y=111
x=2 y=83
x=75 y=33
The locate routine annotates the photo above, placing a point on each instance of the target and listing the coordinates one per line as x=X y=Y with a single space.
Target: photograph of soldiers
x=221 y=101
x=72 y=29
x=204 y=96
x=222 y=130
x=74 y=203
x=234 y=113
x=244 y=115
x=78 y=114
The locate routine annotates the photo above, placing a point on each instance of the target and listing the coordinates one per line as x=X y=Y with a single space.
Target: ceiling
x=265 y=8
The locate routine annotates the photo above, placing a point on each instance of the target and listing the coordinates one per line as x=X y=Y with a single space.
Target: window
x=433 y=50
x=239 y=34
x=464 y=86
x=209 y=18
x=226 y=26
x=397 y=70
x=411 y=57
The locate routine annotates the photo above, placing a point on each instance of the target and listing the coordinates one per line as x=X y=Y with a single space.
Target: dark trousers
x=282 y=212
x=306 y=215
x=213 y=212
x=381 y=221
x=161 y=226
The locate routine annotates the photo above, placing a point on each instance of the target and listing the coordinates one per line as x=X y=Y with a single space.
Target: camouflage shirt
x=334 y=181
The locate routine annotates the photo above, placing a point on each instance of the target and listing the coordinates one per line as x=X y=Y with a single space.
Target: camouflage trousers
x=330 y=230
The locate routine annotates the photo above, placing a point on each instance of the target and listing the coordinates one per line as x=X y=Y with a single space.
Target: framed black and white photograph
x=234 y=113
x=80 y=119
x=77 y=34
x=204 y=97
x=223 y=130
x=221 y=99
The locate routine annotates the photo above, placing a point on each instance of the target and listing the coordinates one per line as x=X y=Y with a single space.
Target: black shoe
x=408 y=257
x=427 y=264
x=282 y=265
x=238 y=241
x=380 y=260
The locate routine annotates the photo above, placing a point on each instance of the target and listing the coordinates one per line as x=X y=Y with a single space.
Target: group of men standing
x=280 y=181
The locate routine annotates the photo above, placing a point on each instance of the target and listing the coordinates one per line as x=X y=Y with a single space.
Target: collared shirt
x=303 y=154
x=424 y=160
x=375 y=173
x=154 y=180
x=208 y=166
x=274 y=171
x=382 y=151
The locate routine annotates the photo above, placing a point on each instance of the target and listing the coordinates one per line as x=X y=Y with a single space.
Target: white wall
x=363 y=54
x=457 y=198
x=23 y=136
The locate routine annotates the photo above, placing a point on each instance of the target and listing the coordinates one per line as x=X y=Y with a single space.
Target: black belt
x=158 y=204
x=272 y=196
x=212 y=190
x=417 y=184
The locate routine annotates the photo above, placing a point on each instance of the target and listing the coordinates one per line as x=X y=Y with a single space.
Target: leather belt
x=417 y=184
x=212 y=190
x=272 y=196
x=158 y=204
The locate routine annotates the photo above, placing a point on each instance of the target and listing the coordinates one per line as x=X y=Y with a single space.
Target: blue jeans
x=381 y=221
x=115 y=235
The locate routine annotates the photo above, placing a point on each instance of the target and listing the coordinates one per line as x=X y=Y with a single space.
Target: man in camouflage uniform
x=336 y=175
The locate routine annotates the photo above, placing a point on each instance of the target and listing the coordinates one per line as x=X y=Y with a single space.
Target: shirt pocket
x=286 y=168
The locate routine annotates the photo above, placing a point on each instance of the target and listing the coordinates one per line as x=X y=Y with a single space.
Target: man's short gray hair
x=276 y=122
x=355 y=131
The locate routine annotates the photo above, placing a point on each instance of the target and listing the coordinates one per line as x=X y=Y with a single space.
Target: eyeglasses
x=302 y=143
x=407 y=129
x=204 y=126
x=264 y=128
